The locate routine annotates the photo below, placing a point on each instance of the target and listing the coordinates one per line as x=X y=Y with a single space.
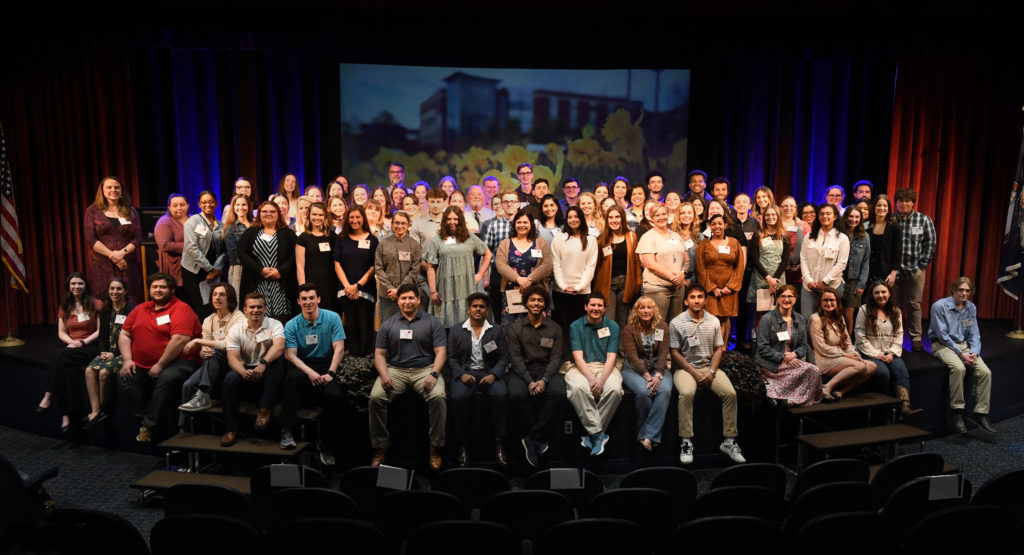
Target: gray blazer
x=198 y=245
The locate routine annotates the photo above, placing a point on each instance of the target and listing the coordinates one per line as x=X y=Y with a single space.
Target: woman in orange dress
x=720 y=264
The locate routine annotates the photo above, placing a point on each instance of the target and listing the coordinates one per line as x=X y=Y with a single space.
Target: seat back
x=901 y=470
x=765 y=475
x=209 y=499
x=174 y=535
x=913 y=501
x=361 y=485
x=101 y=532
x=296 y=503
x=828 y=471
x=844 y=534
x=976 y=529
x=1003 y=491
x=727 y=534
x=462 y=537
x=594 y=536
x=592 y=486
x=528 y=513
x=472 y=486
x=678 y=482
x=262 y=488
x=837 y=497
x=752 y=501
x=326 y=535
x=401 y=512
x=648 y=507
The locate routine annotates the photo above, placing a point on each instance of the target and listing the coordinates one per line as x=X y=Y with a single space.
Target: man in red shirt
x=154 y=367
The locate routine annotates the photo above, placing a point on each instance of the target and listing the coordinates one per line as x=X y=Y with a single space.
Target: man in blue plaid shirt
x=497 y=231
x=918 y=249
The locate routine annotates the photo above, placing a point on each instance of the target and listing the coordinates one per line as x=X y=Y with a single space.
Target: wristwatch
x=434 y=375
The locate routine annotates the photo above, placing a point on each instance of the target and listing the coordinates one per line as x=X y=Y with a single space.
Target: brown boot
x=378 y=456
x=903 y=394
x=435 y=458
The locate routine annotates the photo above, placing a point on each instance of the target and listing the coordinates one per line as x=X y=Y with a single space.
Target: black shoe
x=462 y=459
x=499 y=454
x=90 y=423
x=531 y=452
x=981 y=421
x=958 y=423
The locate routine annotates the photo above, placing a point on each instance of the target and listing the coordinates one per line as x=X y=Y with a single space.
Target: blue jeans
x=650 y=411
x=895 y=370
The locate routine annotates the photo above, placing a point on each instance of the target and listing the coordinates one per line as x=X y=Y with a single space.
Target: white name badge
x=766 y=242
x=547 y=342
x=267 y=238
x=364 y=244
x=312 y=339
x=966 y=322
x=490 y=347
x=83 y=317
x=693 y=341
x=124 y=221
x=659 y=335
x=202 y=230
x=449 y=241
x=724 y=249
x=404 y=256
x=604 y=332
x=219 y=333
x=688 y=244
x=536 y=253
x=916 y=230
x=748 y=234
x=782 y=335
x=830 y=252
x=324 y=247
x=673 y=240
x=594 y=232
x=165 y=319
x=707 y=232
x=120 y=318
x=791 y=228
x=405 y=334
x=607 y=251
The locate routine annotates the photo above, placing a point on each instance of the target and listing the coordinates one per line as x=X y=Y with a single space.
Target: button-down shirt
x=313 y=339
x=391 y=270
x=480 y=216
x=216 y=329
x=411 y=343
x=824 y=258
x=918 y=242
x=497 y=232
x=476 y=355
x=151 y=330
x=954 y=327
x=535 y=352
x=585 y=336
x=708 y=332
x=253 y=344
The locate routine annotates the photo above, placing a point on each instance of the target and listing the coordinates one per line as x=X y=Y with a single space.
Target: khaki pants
x=909 y=291
x=687 y=388
x=595 y=414
x=957 y=369
x=405 y=378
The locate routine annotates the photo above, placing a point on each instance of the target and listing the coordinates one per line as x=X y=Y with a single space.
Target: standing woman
x=397 y=194
x=450 y=274
x=336 y=208
x=797 y=230
x=645 y=349
x=457 y=198
x=419 y=190
x=574 y=259
x=618 y=266
x=720 y=265
x=267 y=252
x=592 y=218
x=637 y=200
x=338 y=187
x=523 y=259
x=288 y=187
x=380 y=194
x=782 y=349
x=375 y=219
x=552 y=221
x=672 y=201
x=204 y=253
x=448 y=185
x=354 y=254
x=879 y=331
x=833 y=351
x=242 y=187
x=687 y=228
x=665 y=262
x=113 y=233
x=302 y=215
x=314 y=257
x=620 y=191
x=170 y=238
x=78 y=330
x=360 y=194
x=396 y=262
x=411 y=205
x=601 y=192
x=770 y=253
x=823 y=259
x=855 y=277
x=763 y=198
x=283 y=207
x=108 y=362
x=237 y=221
x=886 y=242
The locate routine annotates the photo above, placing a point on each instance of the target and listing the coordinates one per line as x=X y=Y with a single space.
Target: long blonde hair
x=634 y=317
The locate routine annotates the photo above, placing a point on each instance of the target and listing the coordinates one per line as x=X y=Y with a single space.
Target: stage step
x=209 y=443
x=874 y=435
x=947 y=468
x=161 y=480
x=863 y=401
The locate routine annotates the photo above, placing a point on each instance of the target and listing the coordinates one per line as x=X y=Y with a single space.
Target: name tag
x=707 y=232
x=916 y=230
x=604 y=332
x=313 y=339
x=791 y=229
x=165 y=319
x=120 y=318
x=782 y=335
x=449 y=241
x=594 y=232
x=659 y=335
x=692 y=341
x=124 y=221
x=324 y=247
x=688 y=244
x=724 y=249
x=536 y=253
x=673 y=240
x=966 y=322
x=218 y=333
x=607 y=251
x=404 y=256
x=202 y=230
x=364 y=244
x=490 y=346
x=547 y=342
x=766 y=242
x=405 y=334
x=83 y=317
x=748 y=234
x=830 y=252
x=267 y=238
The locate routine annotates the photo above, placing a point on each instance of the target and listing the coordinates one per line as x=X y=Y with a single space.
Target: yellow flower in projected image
x=478 y=158
x=385 y=156
x=551 y=150
x=626 y=138
x=469 y=177
x=421 y=163
x=609 y=160
x=677 y=159
x=583 y=152
x=554 y=177
x=512 y=156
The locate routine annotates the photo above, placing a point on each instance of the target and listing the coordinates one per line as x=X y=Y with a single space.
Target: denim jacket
x=859 y=261
x=770 y=350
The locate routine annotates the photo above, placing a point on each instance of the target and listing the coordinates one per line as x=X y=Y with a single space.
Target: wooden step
x=863 y=436
x=244 y=446
x=250 y=409
x=947 y=468
x=863 y=401
x=161 y=480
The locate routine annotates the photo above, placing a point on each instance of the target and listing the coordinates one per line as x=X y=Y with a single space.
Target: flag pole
x=10 y=340
x=1019 y=332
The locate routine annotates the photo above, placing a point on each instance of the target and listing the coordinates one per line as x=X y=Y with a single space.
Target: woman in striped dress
x=267 y=252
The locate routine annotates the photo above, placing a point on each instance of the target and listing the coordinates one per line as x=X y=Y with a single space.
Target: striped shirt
x=708 y=332
x=918 y=242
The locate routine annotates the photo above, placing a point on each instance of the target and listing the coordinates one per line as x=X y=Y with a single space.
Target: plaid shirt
x=918 y=242
x=497 y=232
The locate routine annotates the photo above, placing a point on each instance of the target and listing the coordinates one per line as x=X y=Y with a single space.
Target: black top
x=535 y=353
x=619 y=259
x=251 y=266
x=885 y=251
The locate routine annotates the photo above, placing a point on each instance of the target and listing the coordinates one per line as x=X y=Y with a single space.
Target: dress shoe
x=958 y=423
x=89 y=423
x=262 y=419
x=228 y=439
x=378 y=456
x=462 y=459
x=435 y=458
x=530 y=446
x=499 y=454
x=144 y=435
x=981 y=421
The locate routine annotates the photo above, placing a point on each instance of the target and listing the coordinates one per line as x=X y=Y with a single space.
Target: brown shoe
x=262 y=419
x=144 y=435
x=435 y=458
x=462 y=459
x=378 y=456
x=228 y=439
x=499 y=453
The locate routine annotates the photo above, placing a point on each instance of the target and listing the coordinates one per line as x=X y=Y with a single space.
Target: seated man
x=314 y=347
x=212 y=350
x=151 y=343
x=410 y=352
x=593 y=382
x=477 y=358
x=535 y=387
x=956 y=341
x=254 y=355
x=696 y=342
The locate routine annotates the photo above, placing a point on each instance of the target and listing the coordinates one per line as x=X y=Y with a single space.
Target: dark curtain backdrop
x=207 y=116
x=66 y=108
x=955 y=137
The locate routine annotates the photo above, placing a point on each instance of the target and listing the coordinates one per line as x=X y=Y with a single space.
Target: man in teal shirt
x=593 y=382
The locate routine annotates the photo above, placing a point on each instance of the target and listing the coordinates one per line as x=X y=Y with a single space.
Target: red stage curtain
x=67 y=114
x=955 y=136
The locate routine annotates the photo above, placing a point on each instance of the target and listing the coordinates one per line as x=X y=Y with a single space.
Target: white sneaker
x=686 y=452
x=732 y=449
x=199 y=402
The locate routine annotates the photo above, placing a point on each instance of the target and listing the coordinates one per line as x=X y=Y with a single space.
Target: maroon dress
x=101 y=270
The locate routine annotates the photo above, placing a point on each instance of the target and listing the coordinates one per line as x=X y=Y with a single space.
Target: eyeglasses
x=571 y=187
x=526 y=173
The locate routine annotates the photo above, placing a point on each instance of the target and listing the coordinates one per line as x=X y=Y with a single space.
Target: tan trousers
x=404 y=379
x=909 y=291
x=595 y=414
x=957 y=369
x=687 y=388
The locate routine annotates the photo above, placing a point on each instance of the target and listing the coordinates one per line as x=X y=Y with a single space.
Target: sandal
x=827 y=397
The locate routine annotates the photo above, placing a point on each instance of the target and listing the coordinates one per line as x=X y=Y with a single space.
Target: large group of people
x=520 y=294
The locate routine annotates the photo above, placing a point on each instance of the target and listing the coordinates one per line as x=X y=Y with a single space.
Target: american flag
x=10 y=241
